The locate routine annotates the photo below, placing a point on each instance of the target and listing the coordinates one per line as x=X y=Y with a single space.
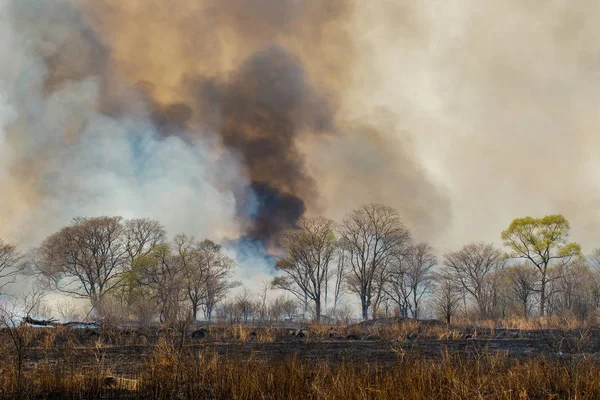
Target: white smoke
x=84 y=163
x=60 y=157
x=495 y=101
x=501 y=102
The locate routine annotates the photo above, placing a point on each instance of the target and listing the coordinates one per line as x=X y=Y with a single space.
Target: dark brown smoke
x=261 y=92
x=259 y=113
x=261 y=104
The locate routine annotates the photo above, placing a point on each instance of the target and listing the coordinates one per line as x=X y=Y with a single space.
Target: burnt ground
x=128 y=359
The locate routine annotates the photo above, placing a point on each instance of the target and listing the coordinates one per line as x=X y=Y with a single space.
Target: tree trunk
x=305 y=305
x=335 y=300
x=318 y=311
x=543 y=296
x=325 y=302
x=209 y=312
x=194 y=311
x=365 y=310
x=416 y=309
x=415 y=304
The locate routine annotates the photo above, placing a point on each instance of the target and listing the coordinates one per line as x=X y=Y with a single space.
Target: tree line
x=372 y=255
x=129 y=267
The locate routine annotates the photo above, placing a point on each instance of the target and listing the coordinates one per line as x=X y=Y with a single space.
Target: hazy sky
x=462 y=114
x=501 y=102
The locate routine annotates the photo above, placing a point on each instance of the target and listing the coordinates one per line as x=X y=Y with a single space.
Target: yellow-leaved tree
x=544 y=243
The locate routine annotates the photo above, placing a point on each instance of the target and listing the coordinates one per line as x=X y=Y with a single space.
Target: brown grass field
x=373 y=360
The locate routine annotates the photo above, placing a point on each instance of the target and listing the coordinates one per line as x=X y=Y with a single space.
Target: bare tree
x=282 y=306
x=193 y=270
x=522 y=280
x=245 y=305
x=471 y=266
x=142 y=235
x=409 y=278
x=447 y=295
x=380 y=296
x=398 y=288
x=88 y=258
x=497 y=293
x=262 y=307
x=66 y=310
x=594 y=259
x=112 y=311
x=420 y=260
x=216 y=290
x=594 y=280
x=12 y=321
x=344 y=314
x=85 y=259
x=290 y=308
x=276 y=308
x=207 y=275
x=374 y=236
x=11 y=263
x=227 y=311
x=181 y=322
x=339 y=274
x=573 y=284
x=309 y=251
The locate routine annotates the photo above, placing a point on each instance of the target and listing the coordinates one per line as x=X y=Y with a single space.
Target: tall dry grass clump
x=171 y=373
x=485 y=376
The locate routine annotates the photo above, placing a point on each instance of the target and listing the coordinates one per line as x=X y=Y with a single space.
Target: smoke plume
x=230 y=119
x=78 y=139
x=206 y=115
x=239 y=71
x=500 y=100
x=234 y=118
x=260 y=111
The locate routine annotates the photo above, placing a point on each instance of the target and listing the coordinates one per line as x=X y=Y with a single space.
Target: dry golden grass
x=197 y=372
x=169 y=374
x=244 y=333
x=524 y=324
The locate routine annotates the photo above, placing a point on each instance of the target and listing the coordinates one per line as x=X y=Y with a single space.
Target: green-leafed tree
x=543 y=242
x=161 y=271
x=88 y=258
x=177 y=274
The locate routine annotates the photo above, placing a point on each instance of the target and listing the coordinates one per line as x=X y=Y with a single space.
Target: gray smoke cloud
x=461 y=115
x=77 y=140
x=500 y=99
x=196 y=115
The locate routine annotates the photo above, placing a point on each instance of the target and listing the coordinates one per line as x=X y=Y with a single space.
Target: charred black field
x=386 y=358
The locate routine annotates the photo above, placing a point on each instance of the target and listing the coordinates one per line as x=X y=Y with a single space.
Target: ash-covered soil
x=126 y=357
